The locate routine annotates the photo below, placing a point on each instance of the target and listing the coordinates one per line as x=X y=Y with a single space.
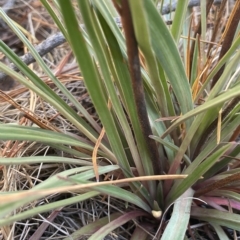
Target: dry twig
x=43 y=48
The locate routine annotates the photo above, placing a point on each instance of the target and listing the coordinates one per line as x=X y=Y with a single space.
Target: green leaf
x=195 y=171
x=100 y=50
x=97 y=88
x=92 y=79
x=92 y=227
x=43 y=159
x=118 y=192
x=216 y=102
x=41 y=85
x=104 y=231
x=41 y=209
x=17 y=199
x=123 y=82
x=225 y=193
x=54 y=16
x=220 y=232
x=143 y=36
x=179 y=18
x=225 y=219
x=167 y=54
x=219 y=87
x=14 y=132
x=194 y=67
x=172 y=147
x=179 y=220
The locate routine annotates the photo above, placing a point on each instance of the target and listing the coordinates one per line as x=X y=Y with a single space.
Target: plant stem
x=137 y=84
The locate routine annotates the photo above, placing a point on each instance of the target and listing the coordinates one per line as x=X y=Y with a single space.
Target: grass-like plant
x=169 y=121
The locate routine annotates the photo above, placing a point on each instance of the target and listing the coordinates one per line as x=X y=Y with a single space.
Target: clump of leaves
x=169 y=124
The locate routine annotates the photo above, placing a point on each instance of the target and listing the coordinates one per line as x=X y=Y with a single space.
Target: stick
x=43 y=48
